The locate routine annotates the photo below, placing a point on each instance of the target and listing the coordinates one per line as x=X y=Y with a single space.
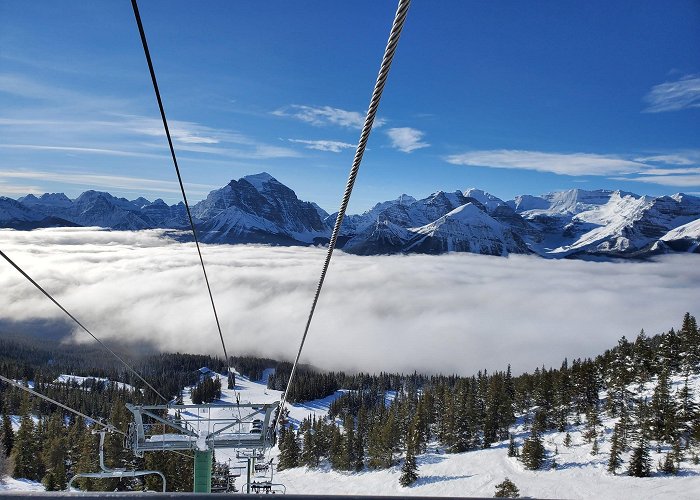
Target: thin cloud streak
x=453 y=313
x=674 y=96
x=666 y=180
x=575 y=164
x=104 y=181
x=324 y=145
x=321 y=116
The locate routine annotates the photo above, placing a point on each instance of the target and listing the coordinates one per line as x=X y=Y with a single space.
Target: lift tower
x=201 y=428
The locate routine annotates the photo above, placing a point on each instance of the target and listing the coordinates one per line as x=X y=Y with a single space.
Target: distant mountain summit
x=260 y=209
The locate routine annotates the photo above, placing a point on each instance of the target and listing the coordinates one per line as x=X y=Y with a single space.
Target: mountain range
x=259 y=209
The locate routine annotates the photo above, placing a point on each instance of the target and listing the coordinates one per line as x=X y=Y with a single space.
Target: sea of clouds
x=454 y=313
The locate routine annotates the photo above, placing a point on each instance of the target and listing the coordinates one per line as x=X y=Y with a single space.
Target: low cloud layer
x=452 y=313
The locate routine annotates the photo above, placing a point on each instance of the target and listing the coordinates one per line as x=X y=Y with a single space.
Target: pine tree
x=289 y=455
x=8 y=435
x=308 y=454
x=409 y=470
x=640 y=463
x=5 y=463
x=533 y=452
x=507 y=489
x=567 y=440
x=87 y=461
x=668 y=466
x=615 y=461
x=24 y=450
x=512 y=447
x=663 y=410
x=349 y=458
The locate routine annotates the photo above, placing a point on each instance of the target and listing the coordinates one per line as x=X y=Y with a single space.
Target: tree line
x=372 y=427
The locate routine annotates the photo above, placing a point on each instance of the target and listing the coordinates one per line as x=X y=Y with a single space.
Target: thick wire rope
x=399 y=19
x=177 y=171
x=109 y=427
x=119 y=358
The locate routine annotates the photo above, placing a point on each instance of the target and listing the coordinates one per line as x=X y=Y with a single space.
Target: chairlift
x=113 y=473
x=266 y=487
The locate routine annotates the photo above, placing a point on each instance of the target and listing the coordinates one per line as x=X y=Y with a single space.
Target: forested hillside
x=644 y=391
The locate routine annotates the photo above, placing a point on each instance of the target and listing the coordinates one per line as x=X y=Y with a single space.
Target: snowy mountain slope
x=627 y=223
x=260 y=209
x=489 y=201
x=247 y=209
x=382 y=237
x=16 y=215
x=466 y=229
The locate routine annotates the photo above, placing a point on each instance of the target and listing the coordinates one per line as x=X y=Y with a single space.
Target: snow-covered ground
x=8 y=484
x=66 y=379
x=578 y=473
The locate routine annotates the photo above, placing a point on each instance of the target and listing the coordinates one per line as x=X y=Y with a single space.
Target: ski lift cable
x=399 y=19
x=109 y=427
x=119 y=358
x=177 y=171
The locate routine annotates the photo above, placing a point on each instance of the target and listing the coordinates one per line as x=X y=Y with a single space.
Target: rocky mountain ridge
x=259 y=209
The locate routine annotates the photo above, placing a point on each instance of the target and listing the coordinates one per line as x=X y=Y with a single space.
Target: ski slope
x=578 y=473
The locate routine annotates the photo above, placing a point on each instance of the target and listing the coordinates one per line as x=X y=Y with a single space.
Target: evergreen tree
x=8 y=435
x=533 y=453
x=409 y=470
x=308 y=453
x=289 y=454
x=640 y=463
x=663 y=410
x=507 y=489
x=25 y=450
x=337 y=451
x=512 y=447
x=567 y=440
x=87 y=461
x=349 y=447
x=360 y=440
x=5 y=463
x=54 y=455
x=668 y=465
x=687 y=412
x=615 y=461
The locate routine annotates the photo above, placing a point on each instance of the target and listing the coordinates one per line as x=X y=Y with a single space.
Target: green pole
x=250 y=459
x=202 y=471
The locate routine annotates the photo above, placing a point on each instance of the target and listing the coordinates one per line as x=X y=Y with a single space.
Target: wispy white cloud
x=575 y=164
x=326 y=115
x=18 y=189
x=74 y=149
x=689 y=157
x=323 y=145
x=453 y=313
x=92 y=181
x=673 y=96
x=682 y=181
x=406 y=139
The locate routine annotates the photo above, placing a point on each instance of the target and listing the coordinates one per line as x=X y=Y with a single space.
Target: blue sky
x=510 y=97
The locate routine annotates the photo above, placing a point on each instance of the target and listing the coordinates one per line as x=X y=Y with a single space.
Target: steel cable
x=109 y=427
x=399 y=19
x=177 y=169
x=127 y=365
